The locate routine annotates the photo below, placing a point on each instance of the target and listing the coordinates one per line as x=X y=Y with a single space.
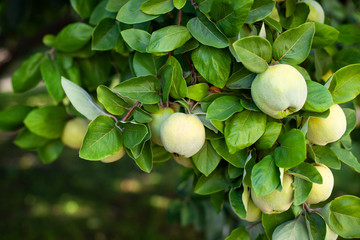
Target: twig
x=308 y=209
x=194 y=4
x=130 y=111
x=179 y=17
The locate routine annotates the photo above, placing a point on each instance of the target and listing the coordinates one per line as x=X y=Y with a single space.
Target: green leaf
x=137 y=39
x=349 y=34
x=292 y=149
x=244 y=129
x=28 y=140
x=52 y=78
x=254 y=52
x=272 y=23
x=197 y=91
x=81 y=100
x=223 y=108
x=134 y=133
x=145 y=160
x=11 y=119
x=48 y=121
x=111 y=101
x=259 y=10
x=51 y=151
x=213 y=64
x=265 y=176
x=293 y=46
x=241 y=79
x=83 y=7
x=307 y=172
x=239 y=233
x=346 y=56
x=234 y=172
x=141 y=116
x=325 y=155
x=115 y=5
x=206 y=32
x=157 y=7
x=347 y=157
x=271 y=134
x=101 y=13
x=324 y=35
x=206 y=159
x=343 y=216
x=144 y=64
x=345 y=83
x=292 y=230
x=28 y=75
x=302 y=189
x=130 y=13
x=73 y=37
x=271 y=221
x=179 y=3
x=160 y=154
x=230 y=15
x=236 y=201
x=237 y=159
x=105 y=35
x=101 y=140
x=249 y=164
x=168 y=38
x=144 y=89
x=318 y=98
x=316 y=226
x=351 y=120
x=187 y=47
x=215 y=182
x=295 y=18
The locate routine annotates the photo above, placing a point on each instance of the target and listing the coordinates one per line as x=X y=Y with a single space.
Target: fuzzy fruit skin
x=321 y=192
x=183 y=134
x=74 y=132
x=115 y=156
x=322 y=131
x=158 y=119
x=279 y=91
x=276 y=202
x=253 y=213
x=316 y=13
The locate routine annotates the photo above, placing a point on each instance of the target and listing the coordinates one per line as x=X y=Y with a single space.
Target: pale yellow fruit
x=330 y=235
x=276 y=202
x=115 y=157
x=183 y=134
x=321 y=192
x=279 y=91
x=157 y=120
x=316 y=13
x=253 y=213
x=322 y=131
x=74 y=132
x=184 y=161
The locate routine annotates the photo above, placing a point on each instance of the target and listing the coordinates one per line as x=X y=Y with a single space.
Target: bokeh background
x=78 y=199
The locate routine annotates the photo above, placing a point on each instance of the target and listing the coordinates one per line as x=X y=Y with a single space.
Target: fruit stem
x=130 y=111
x=308 y=209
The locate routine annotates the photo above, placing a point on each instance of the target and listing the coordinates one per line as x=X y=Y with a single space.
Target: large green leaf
x=28 y=75
x=230 y=15
x=324 y=35
x=292 y=230
x=292 y=149
x=271 y=134
x=316 y=226
x=144 y=89
x=168 y=38
x=296 y=17
x=130 y=13
x=349 y=34
x=324 y=155
x=134 y=133
x=307 y=172
x=351 y=121
x=223 y=107
x=271 y=221
x=51 y=151
x=111 y=101
x=241 y=79
x=95 y=70
x=11 y=119
x=81 y=100
x=157 y=7
x=215 y=182
x=102 y=139
x=254 y=52
x=318 y=98
x=259 y=10
x=105 y=35
x=302 y=189
x=249 y=164
x=236 y=201
x=197 y=91
x=343 y=216
x=145 y=160
x=244 y=129
x=28 y=140
x=237 y=159
x=206 y=31
x=115 y=5
x=73 y=37
x=52 y=78
x=265 y=176
x=213 y=64
x=345 y=83
x=145 y=64
x=206 y=159
x=137 y=39
x=48 y=121
x=239 y=233
x=293 y=46
x=179 y=3
x=347 y=157
x=83 y=7
x=101 y=13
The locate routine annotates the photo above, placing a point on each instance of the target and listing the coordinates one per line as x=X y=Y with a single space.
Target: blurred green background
x=78 y=199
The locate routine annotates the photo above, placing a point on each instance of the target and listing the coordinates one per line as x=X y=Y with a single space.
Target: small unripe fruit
x=279 y=91
x=276 y=202
x=322 y=131
x=74 y=132
x=183 y=134
x=321 y=192
x=115 y=156
x=158 y=119
x=316 y=13
x=253 y=213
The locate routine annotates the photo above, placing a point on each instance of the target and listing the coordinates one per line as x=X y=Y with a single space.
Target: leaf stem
x=308 y=209
x=194 y=4
x=179 y=17
x=130 y=111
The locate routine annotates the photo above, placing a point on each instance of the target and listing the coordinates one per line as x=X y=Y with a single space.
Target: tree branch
x=130 y=111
